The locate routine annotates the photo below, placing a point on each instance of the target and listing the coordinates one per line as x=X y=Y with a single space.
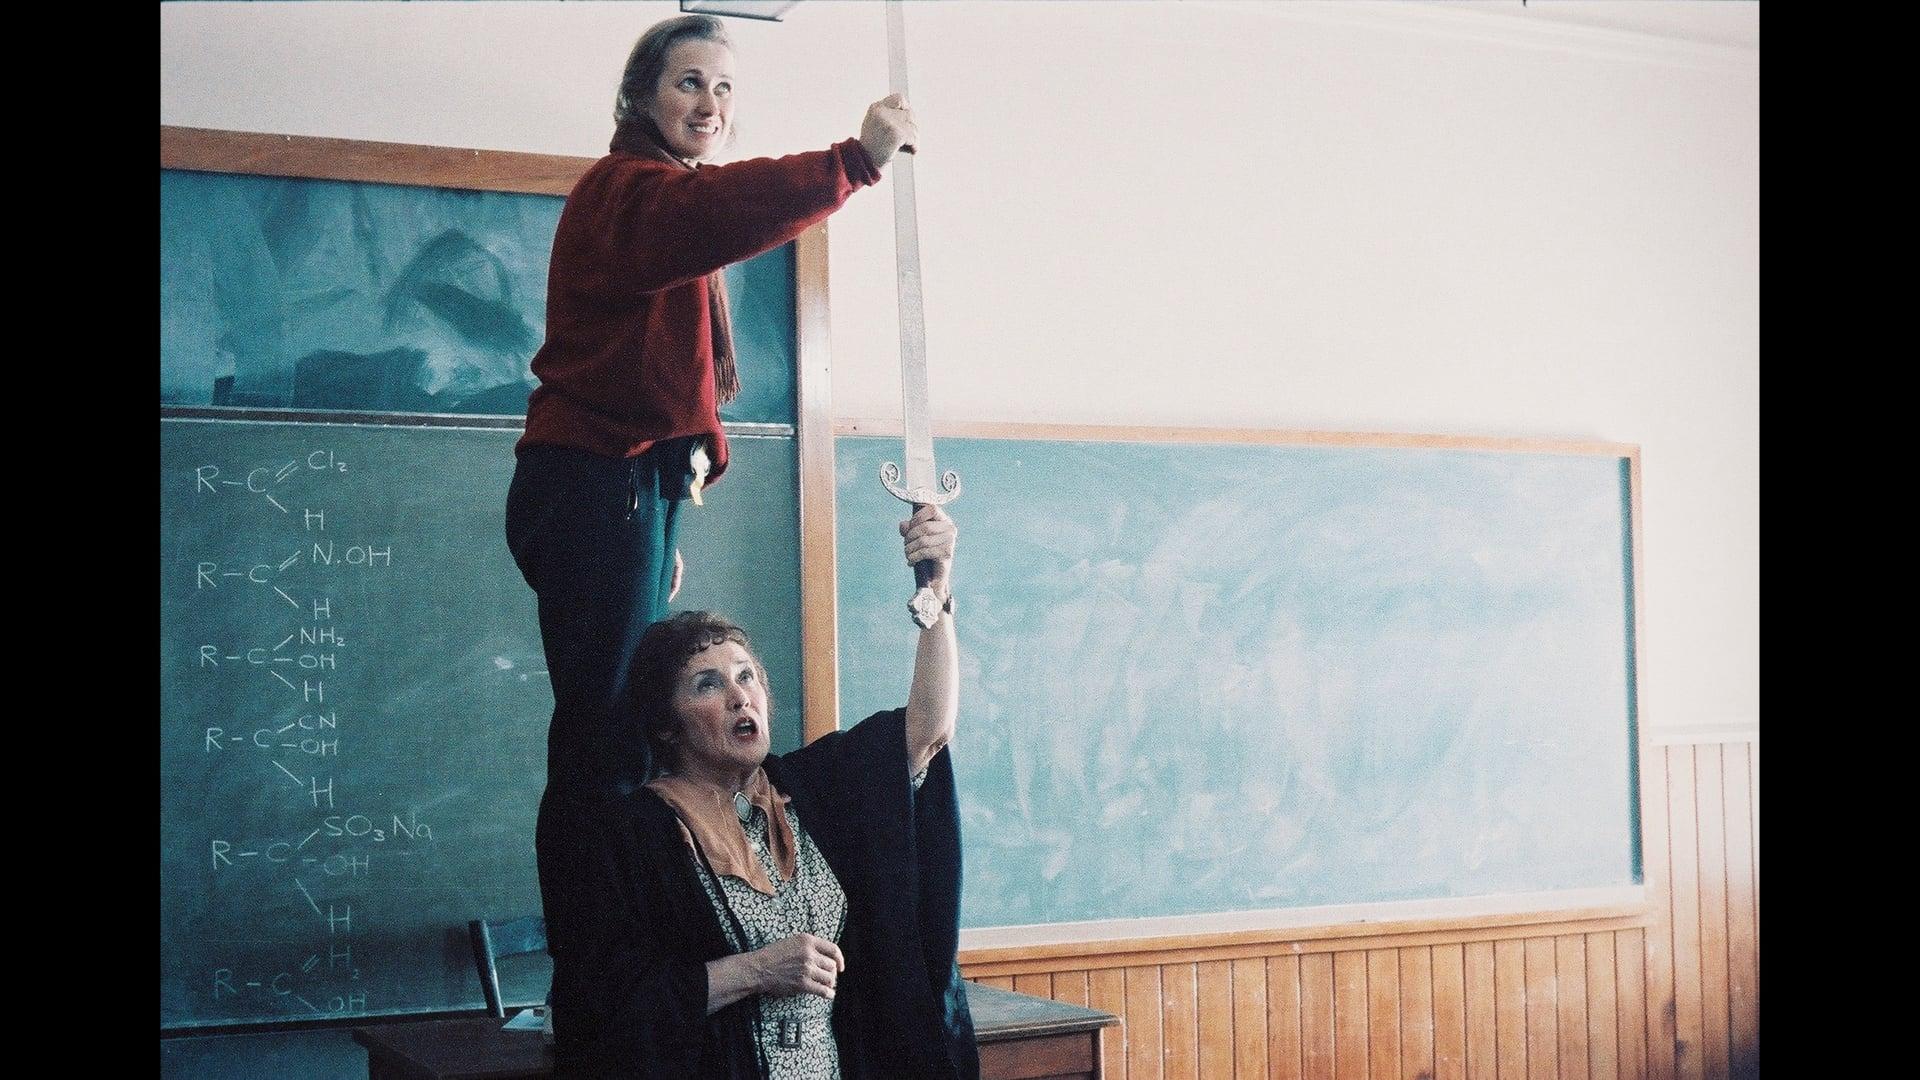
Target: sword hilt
x=920 y=495
x=925 y=607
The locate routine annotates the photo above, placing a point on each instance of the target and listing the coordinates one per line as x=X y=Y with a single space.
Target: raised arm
x=646 y=226
x=933 y=701
x=654 y=225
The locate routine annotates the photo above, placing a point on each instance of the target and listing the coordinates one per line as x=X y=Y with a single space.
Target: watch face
x=925 y=608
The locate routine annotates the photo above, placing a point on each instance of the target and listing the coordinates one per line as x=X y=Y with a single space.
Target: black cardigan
x=631 y=929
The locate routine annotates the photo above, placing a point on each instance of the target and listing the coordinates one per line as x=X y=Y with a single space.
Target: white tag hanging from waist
x=700 y=462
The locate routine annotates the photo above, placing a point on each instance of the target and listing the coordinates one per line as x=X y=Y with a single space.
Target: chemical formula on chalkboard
x=354 y=704
x=282 y=600
x=327 y=861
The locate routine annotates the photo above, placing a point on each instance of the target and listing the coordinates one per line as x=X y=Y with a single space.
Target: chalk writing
x=309 y=845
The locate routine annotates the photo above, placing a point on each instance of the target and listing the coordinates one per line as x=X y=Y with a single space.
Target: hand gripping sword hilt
x=925 y=607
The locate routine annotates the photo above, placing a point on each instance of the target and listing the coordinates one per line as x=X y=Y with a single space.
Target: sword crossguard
x=920 y=496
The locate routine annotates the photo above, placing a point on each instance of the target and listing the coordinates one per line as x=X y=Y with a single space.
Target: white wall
x=1460 y=218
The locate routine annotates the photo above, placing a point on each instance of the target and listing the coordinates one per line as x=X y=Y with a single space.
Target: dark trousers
x=595 y=538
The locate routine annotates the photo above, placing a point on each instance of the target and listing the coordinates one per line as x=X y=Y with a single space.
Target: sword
x=918 y=488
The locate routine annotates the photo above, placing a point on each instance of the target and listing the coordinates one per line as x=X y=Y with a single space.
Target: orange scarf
x=708 y=814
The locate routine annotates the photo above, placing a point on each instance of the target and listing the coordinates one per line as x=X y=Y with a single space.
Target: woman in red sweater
x=637 y=360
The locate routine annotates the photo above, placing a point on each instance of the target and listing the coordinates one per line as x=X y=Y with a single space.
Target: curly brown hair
x=662 y=654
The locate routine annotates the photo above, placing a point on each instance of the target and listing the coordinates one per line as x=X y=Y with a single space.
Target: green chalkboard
x=1228 y=678
x=353 y=695
x=284 y=292
x=354 y=704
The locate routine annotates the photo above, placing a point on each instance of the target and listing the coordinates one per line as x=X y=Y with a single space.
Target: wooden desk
x=1021 y=1036
x=470 y=1049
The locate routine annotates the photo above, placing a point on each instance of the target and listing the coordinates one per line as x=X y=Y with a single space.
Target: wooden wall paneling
x=1450 y=1011
x=1689 y=1027
x=1283 y=1018
x=1179 y=1022
x=1317 y=1015
x=1483 y=1013
x=1358 y=936
x=1510 y=1007
x=1743 y=920
x=1143 y=1023
x=1416 y=1011
x=1636 y=1006
x=1567 y=1006
x=1215 y=1006
x=1543 y=1018
x=1250 y=1019
x=1750 y=1065
x=1753 y=783
x=1383 y=1014
x=1107 y=991
x=1710 y=814
x=1350 y=1016
x=1570 y=989
x=1603 y=1012
x=1070 y=987
x=1656 y=964
x=1039 y=984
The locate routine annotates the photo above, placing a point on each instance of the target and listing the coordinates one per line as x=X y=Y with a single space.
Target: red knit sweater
x=628 y=359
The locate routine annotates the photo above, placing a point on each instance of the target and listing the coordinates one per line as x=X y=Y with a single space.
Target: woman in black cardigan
x=758 y=915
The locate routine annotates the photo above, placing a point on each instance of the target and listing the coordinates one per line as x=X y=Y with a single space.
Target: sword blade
x=906 y=246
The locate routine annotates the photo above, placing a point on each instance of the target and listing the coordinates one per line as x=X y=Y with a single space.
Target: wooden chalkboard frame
x=317 y=158
x=313 y=158
x=999 y=951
